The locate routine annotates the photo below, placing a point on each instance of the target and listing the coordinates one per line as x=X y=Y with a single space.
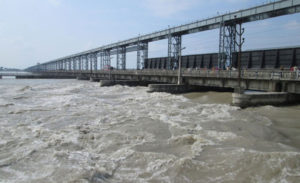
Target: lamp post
x=179 y=69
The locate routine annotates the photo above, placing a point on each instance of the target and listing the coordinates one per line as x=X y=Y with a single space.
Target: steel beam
x=265 y=11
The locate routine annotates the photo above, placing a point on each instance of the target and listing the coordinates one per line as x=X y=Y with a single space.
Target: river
x=75 y=131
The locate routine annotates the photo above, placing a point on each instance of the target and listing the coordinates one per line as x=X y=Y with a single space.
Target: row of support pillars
x=229 y=42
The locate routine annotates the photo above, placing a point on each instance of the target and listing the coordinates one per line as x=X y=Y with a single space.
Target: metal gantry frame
x=121 y=58
x=106 y=59
x=174 y=51
x=85 y=65
x=94 y=61
x=227 y=44
x=80 y=63
x=74 y=63
x=142 y=54
x=227 y=35
x=69 y=64
x=101 y=54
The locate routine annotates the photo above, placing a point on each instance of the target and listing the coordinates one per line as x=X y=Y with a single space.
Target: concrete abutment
x=253 y=99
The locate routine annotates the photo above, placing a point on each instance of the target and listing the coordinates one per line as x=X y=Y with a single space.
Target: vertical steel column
x=65 y=65
x=79 y=63
x=107 y=61
x=82 y=63
x=60 y=65
x=142 y=55
x=90 y=60
x=169 y=49
x=240 y=43
x=56 y=66
x=121 y=58
x=96 y=61
x=86 y=62
x=174 y=49
x=70 y=64
x=227 y=46
x=101 y=60
x=74 y=63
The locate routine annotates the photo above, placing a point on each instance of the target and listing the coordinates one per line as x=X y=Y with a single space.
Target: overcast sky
x=34 y=31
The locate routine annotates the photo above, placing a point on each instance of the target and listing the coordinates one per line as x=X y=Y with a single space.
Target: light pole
x=179 y=69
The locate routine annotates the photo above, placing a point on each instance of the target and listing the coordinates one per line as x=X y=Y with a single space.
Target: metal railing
x=197 y=73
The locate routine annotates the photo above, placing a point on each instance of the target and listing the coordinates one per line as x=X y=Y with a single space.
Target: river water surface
x=75 y=131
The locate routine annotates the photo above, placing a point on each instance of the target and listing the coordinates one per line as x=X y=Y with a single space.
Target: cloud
x=167 y=8
x=54 y=2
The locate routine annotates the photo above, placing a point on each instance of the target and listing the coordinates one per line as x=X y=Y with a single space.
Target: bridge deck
x=196 y=73
x=4 y=73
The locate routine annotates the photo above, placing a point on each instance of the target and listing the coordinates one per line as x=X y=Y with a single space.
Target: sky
x=33 y=31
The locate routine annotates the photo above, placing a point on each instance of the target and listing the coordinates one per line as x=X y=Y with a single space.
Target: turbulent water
x=76 y=131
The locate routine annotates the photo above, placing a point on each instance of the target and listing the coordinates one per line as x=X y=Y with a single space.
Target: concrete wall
x=253 y=80
x=268 y=98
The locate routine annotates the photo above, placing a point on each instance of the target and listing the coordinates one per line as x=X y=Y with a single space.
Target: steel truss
x=101 y=54
x=92 y=61
x=80 y=62
x=69 y=64
x=121 y=58
x=142 y=55
x=74 y=64
x=227 y=44
x=174 y=49
x=95 y=61
x=86 y=62
x=106 y=59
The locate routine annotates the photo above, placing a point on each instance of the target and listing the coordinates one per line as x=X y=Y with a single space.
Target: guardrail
x=16 y=73
x=245 y=74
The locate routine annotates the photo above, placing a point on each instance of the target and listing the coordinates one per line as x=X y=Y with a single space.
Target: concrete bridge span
x=261 y=80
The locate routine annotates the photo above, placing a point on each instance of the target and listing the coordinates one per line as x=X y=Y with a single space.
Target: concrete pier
x=82 y=78
x=252 y=99
x=170 y=88
x=123 y=82
x=94 y=79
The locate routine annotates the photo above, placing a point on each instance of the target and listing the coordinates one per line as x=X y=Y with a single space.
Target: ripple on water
x=75 y=131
